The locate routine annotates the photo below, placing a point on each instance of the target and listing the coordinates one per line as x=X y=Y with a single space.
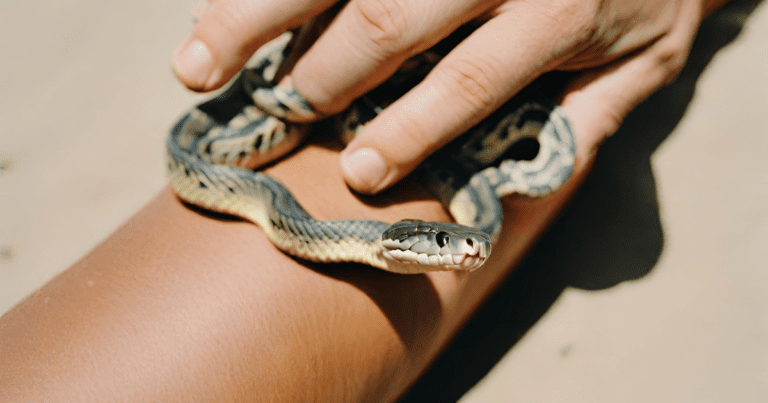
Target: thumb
x=598 y=100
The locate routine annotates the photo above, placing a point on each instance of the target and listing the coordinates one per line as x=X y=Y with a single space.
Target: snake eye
x=441 y=238
x=470 y=243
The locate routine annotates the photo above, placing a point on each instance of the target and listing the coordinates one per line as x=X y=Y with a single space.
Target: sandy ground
x=652 y=287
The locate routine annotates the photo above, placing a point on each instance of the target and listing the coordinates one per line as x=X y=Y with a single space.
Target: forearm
x=178 y=306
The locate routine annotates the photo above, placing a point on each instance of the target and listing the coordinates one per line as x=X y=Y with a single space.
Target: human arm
x=179 y=306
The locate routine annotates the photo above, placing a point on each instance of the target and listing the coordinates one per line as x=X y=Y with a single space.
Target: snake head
x=442 y=246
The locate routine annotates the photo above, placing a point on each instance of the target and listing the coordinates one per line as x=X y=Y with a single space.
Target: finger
x=229 y=31
x=200 y=8
x=474 y=79
x=367 y=42
x=598 y=100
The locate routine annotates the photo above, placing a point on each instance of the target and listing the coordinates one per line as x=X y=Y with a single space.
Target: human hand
x=623 y=49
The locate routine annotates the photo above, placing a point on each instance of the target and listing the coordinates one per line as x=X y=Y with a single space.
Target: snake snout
x=472 y=252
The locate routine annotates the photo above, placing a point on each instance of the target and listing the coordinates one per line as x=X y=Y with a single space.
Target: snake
x=214 y=152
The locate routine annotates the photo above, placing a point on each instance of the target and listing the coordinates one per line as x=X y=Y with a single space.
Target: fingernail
x=193 y=63
x=365 y=168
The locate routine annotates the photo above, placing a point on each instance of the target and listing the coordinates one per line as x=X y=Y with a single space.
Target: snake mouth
x=470 y=263
x=457 y=261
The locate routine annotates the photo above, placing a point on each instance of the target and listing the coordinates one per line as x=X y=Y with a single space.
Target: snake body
x=213 y=151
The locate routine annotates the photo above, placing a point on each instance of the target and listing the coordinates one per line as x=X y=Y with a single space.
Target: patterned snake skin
x=214 y=149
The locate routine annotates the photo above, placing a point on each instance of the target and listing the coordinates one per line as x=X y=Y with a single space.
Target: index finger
x=228 y=32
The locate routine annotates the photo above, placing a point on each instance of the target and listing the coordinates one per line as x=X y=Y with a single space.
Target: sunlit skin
x=176 y=304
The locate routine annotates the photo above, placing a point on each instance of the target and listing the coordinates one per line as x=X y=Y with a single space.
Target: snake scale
x=214 y=149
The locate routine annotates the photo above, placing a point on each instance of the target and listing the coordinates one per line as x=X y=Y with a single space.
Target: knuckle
x=671 y=58
x=232 y=19
x=613 y=119
x=383 y=22
x=414 y=135
x=476 y=81
x=581 y=21
x=414 y=132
